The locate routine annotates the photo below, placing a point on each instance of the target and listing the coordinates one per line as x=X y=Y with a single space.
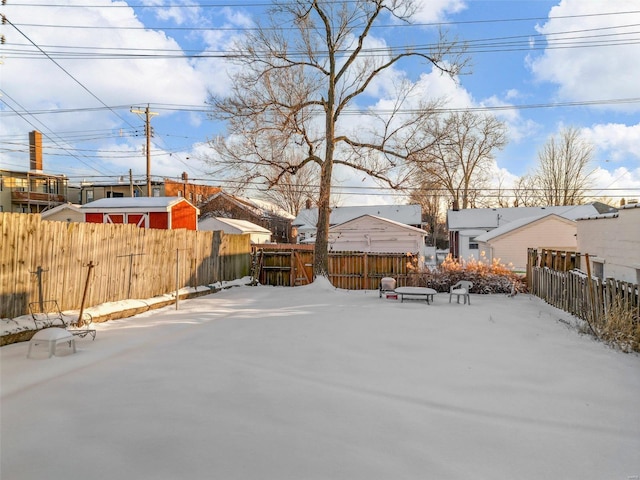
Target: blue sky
x=537 y=65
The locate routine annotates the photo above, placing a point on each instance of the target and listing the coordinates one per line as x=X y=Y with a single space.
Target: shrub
x=619 y=328
x=487 y=277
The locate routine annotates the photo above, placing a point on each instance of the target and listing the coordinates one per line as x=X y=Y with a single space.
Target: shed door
x=138 y=219
x=113 y=218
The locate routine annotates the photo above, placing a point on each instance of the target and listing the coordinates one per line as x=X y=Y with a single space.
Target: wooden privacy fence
x=555 y=277
x=43 y=260
x=585 y=298
x=559 y=260
x=291 y=265
x=363 y=271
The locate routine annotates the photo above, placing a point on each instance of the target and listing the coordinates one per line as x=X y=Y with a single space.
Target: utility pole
x=147 y=131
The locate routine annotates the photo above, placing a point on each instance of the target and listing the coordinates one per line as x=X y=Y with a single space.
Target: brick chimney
x=35 y=150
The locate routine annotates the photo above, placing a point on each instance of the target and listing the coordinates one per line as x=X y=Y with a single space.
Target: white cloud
x=597 y=72
x=618 y=183
x=114 y=81
x=435 y=10
x=618 y=143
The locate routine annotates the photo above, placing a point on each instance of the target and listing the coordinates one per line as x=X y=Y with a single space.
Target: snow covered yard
x=318 y=383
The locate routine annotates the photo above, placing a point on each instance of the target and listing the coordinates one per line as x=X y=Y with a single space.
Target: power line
x=65 y=71
x=367 y=111
x=47 y=135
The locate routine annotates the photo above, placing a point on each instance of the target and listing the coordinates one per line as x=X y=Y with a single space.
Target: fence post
x=84 y=295
x=366 y=271
x=591 y=294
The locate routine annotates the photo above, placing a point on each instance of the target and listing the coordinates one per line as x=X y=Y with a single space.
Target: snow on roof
x=405 y=214
x=134 y=202
x=514 y=225
x=258 y=207
x=219 y=223
x=404 y=226
x=270 y=207
x=612 y=214
x=494 y=217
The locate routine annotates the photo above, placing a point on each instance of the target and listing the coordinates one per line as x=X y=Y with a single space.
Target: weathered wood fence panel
x=283 y=264
x=42 y=260
x=574 y=292
x=290 y=265
x=363 y=271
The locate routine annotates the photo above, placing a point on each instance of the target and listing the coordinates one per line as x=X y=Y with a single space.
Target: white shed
x=369 y=233
x=256 y=233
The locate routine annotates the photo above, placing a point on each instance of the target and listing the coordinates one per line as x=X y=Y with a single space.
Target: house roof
x=515 y=225
x=257 y=207
x=242 y=226
x=489 y=218
x=402 y=226
x=137 y=203
x=60 y=208
x=629 y=206
x=307 y=219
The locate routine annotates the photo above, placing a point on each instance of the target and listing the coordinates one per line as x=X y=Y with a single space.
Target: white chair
x=461 y=289
x=387 y=285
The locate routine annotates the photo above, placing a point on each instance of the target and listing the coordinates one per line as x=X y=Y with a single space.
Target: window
x=89 y=196
x=473 y=245
x=37 y=185
x=598 y=269
x=18 y=184
x=115 y=194
x=156 y=192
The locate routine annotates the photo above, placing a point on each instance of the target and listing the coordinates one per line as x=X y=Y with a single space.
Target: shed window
x=598 y=269
x=473 y=245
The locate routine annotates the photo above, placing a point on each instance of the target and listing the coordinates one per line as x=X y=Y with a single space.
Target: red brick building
x=193 y=192
x=261 y=213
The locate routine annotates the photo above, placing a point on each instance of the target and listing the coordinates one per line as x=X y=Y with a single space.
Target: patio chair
x=387 y=285
x=461 y=289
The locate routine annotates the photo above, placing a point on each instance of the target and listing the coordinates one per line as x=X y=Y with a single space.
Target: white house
x=510 y=241
x=372 y=234
x=256 y=233
x=466 y=225
x=66 y=212
x=613 y=243
x=306 y=221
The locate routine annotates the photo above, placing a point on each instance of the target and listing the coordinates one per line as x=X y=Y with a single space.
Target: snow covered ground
x=317 y=383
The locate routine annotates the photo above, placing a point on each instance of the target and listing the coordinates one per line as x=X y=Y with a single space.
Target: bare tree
x=463 y=154
x=433 y=201
x=292 y=191
x=525 y=193
x=561 y=176
x=301 y=70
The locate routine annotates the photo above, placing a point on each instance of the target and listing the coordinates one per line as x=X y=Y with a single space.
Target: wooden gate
x=286 y=265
